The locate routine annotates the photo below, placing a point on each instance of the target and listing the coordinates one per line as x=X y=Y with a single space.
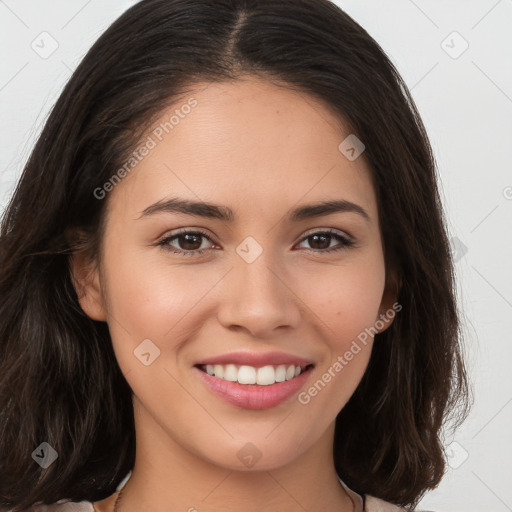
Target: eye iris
x=322 y=236
x=188 y=241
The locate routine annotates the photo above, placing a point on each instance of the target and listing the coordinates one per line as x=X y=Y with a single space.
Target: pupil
x=187 y=238
x=325 y=237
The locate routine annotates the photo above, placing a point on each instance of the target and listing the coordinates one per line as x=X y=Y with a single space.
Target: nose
x=259 y=298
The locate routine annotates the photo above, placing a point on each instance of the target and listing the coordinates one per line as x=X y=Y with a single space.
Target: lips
x=254 y=396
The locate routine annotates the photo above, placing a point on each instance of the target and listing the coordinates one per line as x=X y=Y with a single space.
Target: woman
x=225 y=277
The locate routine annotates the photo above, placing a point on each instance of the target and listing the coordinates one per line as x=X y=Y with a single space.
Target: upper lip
x=256 y=359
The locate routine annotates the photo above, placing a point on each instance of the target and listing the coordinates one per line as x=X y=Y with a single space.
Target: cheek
x=345 y=299
x=346 y=302
x=150 y=299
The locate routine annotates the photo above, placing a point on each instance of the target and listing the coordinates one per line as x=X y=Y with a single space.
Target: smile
x=254 y=388
x=245 y=374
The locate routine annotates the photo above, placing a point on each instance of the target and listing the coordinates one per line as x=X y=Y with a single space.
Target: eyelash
x=164 y=243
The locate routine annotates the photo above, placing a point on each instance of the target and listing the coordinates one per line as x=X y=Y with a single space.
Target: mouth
x=250 y=375
x=256 y=388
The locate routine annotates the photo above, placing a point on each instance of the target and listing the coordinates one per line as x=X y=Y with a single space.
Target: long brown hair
x=59 y=379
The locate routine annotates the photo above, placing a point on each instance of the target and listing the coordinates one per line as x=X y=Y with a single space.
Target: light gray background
x=465 y=99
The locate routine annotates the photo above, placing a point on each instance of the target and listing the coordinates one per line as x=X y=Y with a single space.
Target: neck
x=342 y=503
x=165 y=474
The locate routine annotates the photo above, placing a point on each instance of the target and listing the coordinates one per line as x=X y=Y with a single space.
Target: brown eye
x=189 y=241
x=185 y=242
x=321 y=241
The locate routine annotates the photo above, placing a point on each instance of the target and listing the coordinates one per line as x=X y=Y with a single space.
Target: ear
x=389 y=305
x=86 y=280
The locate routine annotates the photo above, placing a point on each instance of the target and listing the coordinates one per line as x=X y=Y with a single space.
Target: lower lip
x=254 y=396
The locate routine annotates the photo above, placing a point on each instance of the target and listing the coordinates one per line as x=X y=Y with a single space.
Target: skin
x=262 y=150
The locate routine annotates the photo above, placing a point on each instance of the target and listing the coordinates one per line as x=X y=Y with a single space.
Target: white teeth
x=231 y=373
x=246 y=375
x=219 y=370
x=281 y=373
x=264 y=376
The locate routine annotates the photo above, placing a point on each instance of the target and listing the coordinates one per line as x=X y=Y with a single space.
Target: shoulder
x=376 y=505
x=64 y=506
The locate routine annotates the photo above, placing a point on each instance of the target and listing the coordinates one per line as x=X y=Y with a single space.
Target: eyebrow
x=224 y=213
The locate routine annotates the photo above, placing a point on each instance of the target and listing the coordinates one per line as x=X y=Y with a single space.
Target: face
x=179 y=288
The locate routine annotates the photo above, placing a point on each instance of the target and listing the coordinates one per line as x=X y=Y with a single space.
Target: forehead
x=246 y=142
